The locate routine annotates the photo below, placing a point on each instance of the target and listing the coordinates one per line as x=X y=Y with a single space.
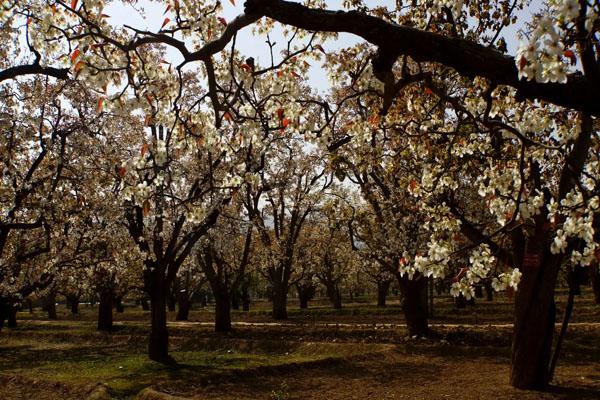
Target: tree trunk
x=119 y=304
x=305 y=293
x=105 y=315
x=171 y=302
x=50 y=302
x=184 y=303
x=414 y=304
x=73 y=304
x=430 y=285
x=30 y=305
x=478 y=291
x=563 y=329
x=245 y=298
x=158 y=347
x=460 y=301
x=535 y=315
x=595 y=272
x=279 y=301
x=222 y=310
x=3 y=312
x=303 y=302
x=12 y=317
x=335 y=296
x=489 y=290
x=382 y=292
x=145 y=304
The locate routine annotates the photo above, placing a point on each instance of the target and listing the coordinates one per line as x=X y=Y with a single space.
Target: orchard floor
x=319 y=355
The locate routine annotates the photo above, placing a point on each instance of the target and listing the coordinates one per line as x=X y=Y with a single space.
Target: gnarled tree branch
x=466 y=57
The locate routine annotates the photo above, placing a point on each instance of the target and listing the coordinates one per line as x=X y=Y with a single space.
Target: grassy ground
x=65 y=359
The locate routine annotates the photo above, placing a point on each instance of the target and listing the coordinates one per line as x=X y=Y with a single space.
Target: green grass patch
x=127 y=370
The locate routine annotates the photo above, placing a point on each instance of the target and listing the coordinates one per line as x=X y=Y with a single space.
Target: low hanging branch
x=466 y=57
x=33 y=69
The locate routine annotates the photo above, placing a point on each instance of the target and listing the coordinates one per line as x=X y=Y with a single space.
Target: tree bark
x=184 y=304
x=573 y=290
x=382 y=291
x=222 y=310
x=50 y=303
x=335 y=296
x=105 y=314
x=305 y=293
x=596 y=282
x=303 y=302
x=279 y=301
x=158 y=346
x=12 y=317
x=414 y=304
x=478 y=291
x=171 y=302
x=535 y=316
x=3 y=312
x=489 y=291
x=73 y=304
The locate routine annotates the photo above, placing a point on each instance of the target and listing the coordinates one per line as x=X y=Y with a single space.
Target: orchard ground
x=358 y=352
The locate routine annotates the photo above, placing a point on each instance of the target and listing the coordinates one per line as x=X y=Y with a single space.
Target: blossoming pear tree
x=225 y=255
x=499 y=152
x=558 y=65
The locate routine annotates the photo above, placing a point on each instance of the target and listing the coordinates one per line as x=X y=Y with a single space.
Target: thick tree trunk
x=222 y=311
x=535 y=315
x=119 y=305
x=279 y=301
x=50 y=305
x=184 y=304
x=563 y=329
x=158 y=347
x=414 y=304
x=73 y=304
x=305 y=293
x=595 y=275
x=303 y=302
x=3 y=312
x=12 y=317
x=382 y=291
x=105 y=314
x=335 y=296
